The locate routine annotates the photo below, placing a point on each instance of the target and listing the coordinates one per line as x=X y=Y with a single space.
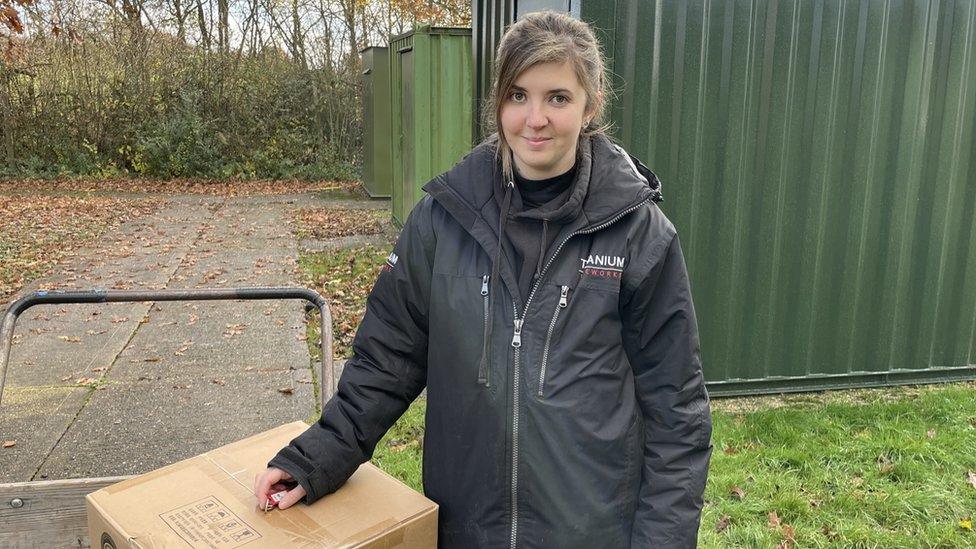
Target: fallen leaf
x=100 y=369
x=738 y=493
x=182 y=386
x=70 y=339
x=86 y=381
x=722 y=524
x=183 y=348
x=286 y=390
x=930 y=434
x=119 y=319
x=885 y=464
x=219 y=382
x=966 y=523
x=789 y=535
x=234 y=329
x=9 y=443
x=399 y=446
x=971 y=478
x=773 y=519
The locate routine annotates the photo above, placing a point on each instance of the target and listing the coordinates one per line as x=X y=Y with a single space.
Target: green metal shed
x=377 y=144
x=818 y=161
x=431 y=108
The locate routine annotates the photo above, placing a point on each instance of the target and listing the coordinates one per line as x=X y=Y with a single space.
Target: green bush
x=161 y=109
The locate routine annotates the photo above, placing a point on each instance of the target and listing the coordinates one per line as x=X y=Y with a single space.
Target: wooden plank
x=52 y=514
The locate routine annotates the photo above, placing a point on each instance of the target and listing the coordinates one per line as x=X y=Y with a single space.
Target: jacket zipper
x=563 y=293
x=517 y=344
x=484 y=371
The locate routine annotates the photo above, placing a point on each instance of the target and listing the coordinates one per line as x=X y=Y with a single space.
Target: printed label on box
x=208 y=523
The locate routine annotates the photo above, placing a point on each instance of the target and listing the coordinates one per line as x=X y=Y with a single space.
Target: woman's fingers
x=269 y=482
x=264 y=483
x=292 y=497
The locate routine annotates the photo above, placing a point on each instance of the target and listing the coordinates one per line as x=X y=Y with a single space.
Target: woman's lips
x=537 y=141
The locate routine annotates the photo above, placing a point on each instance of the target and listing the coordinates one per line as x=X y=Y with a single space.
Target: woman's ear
x=594 y=108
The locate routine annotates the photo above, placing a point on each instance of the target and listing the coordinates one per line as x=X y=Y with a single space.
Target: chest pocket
x=601 y=279
x=583 y=328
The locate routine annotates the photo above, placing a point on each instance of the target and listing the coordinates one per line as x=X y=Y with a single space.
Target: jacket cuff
x=316 y=482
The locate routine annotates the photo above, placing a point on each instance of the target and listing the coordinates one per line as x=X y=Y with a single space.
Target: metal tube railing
x=326 y=375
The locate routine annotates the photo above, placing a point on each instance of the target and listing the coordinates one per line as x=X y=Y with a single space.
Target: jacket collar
x=616 y=182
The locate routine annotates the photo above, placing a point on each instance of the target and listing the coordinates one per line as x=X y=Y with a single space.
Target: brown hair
x=547 y=37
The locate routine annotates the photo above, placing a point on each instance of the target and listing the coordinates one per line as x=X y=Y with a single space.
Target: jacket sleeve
x=661 y=340
x=387 y=371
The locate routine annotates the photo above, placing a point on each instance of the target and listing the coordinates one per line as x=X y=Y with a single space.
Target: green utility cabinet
x=377 y=145
x=431 y=118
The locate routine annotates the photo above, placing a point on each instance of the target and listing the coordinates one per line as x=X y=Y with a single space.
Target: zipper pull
x=517 y=338
x=484 y=285
x=562 y=297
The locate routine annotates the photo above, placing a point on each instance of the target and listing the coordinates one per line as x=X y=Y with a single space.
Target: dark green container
x=819 y=163
x=431 y=108
x=377 y=142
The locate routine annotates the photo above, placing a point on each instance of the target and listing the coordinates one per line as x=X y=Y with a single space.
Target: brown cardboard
x=207 y=502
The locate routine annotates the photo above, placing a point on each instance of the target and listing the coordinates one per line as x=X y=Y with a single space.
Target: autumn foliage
x=9 y=17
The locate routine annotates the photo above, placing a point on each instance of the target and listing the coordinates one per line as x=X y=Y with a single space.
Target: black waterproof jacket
x=588 y=427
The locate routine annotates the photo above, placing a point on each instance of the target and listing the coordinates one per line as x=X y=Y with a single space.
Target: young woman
x=541 y=297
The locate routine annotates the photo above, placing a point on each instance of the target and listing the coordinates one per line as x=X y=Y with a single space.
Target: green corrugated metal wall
x=432 y=120
x=489 y=18
x=819 y=163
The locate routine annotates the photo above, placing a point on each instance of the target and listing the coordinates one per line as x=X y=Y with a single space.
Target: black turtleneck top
x=539 y=192
x=531 y=238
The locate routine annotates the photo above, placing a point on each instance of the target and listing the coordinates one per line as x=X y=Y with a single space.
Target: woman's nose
x=536 y=119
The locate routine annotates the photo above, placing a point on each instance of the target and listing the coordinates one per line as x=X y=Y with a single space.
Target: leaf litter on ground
x=39 y=233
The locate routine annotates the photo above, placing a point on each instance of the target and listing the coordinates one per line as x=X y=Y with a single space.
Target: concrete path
x=168 y=380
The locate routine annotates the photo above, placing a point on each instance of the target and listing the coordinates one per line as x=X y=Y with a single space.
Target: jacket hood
x=613 y=182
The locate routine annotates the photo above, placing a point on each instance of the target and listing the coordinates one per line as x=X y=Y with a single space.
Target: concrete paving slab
x=175 y=379
x=131 y=428
x=34 y=418
x=52 y=342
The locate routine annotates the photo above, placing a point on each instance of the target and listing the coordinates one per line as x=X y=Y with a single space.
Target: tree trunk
x=298 y=39
x=223 y=37
x=204 y=31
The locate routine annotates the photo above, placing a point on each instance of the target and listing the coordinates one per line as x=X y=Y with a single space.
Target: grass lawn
x=883 y=468
x=879 y=473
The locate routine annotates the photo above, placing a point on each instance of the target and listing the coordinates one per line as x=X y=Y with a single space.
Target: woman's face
x=542 y=117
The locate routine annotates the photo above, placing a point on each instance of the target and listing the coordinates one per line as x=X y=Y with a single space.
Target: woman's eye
x=560 y=99
x=518 y=96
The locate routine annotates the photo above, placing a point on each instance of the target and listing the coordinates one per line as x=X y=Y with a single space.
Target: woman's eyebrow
x=558 y=90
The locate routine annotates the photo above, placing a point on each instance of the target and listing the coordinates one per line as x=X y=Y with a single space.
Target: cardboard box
x=207 y=502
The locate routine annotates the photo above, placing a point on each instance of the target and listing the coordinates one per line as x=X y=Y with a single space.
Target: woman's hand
x=273 y=481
